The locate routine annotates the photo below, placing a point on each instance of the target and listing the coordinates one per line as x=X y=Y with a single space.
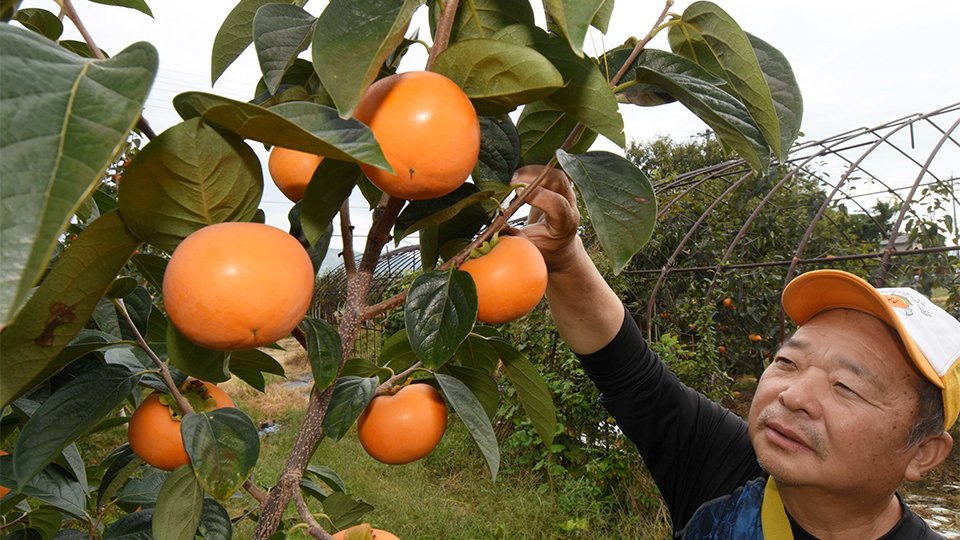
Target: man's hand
x=554 y=218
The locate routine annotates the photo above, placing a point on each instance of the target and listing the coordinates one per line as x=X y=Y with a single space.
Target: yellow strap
x=773 y=518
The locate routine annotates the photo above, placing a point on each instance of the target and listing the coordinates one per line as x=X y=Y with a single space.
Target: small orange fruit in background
x=364 y=532
x=154 y=433
x=755 y=337
x=428 y=131
x=233 y=286
x=511 y=279
x=728 y=302
x=3 y=489
x=403 y=427
x=722 y=349
x=292 y=170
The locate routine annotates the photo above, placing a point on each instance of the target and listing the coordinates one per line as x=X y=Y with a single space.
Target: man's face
x=834 y=408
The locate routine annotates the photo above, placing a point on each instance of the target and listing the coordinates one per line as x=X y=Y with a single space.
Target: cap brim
x=820 y=290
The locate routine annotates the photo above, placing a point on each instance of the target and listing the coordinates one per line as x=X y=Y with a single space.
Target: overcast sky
x=859 y=63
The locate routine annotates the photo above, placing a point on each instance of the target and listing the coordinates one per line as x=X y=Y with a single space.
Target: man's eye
x=783 y=362
x=845 y=389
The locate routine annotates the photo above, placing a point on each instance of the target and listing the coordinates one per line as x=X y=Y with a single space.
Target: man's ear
x=928 y=454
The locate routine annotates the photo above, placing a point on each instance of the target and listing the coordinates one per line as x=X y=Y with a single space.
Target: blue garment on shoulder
x=736 y=515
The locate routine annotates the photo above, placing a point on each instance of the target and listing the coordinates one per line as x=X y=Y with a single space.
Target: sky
x=859 y=63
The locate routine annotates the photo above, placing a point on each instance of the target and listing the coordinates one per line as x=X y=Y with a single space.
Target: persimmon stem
x=255 y=491
x=444 y=27
x=313 y=526
x=182 y=402
x=392 y=381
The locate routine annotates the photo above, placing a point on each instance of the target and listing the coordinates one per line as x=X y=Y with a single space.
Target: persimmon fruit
x=154 y=428
x=292 y=170
x=755 y=337
x=428 y=130
x=233 y=286
x=511 y=279
x=728 y=302
x=3 y=489
x=404 y=426
x=364 y=532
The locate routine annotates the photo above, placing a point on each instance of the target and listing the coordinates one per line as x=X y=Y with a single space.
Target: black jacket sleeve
x=695 y=449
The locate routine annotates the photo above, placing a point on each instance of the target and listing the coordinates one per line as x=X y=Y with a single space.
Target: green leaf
x=236 y=34
x=190 y=176
x=498 y=76
x=532 y=390
x=67 y=414
x=124 y=463
x=138 y=5
x=419 y=214
x=472 y=414
x=133 y=526
x=40 y=21
x=323 y=350
x=299 y=83
x=480 y=383
x=64 y=119
x=478 y=19
x=725 y=114
x=602 y=18
x=586 y=95
x=397 y=353
x=328 y=476
x=151 y=267
x=179 y=506
x=647 y=95
x=223 y=446
x=280 y=33
x=46 y=520
x=477 y=352
x=80 y=48
x=705 y=23
x=8 y=9
x=440 y=311
x=332 y=183
x=54 y=486
x=215 y=521
x=30 y=348
x=343 y=510
x=543 y=127
x=352 y=40
x=255 y=359
x=499 y=150
x=572 y=18
x=143 y=487
x=196 y=361
x=308 y=127
x=619 y=199
x=350 y=397
x=784 y=89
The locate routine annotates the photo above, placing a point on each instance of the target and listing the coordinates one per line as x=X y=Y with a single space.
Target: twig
x=255 y=492
x=389 y=383
x=444 y=27
x=164 y=370
x=643 y=43
x=313 y=527
x=346 y=235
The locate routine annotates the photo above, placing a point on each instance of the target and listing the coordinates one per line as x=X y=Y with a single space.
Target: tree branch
x=444 y=27
x=313 y=527
x=255 y=492
x=346 y=235
x=164 y=370
x=389 y=383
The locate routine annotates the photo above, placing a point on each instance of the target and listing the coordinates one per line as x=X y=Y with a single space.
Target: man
x=857 y=400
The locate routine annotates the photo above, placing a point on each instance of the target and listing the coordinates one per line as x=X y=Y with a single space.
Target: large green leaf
x=477 y=352
x=308 y=127
x=280 y=33
x=532 y=390
x=151 y=267
x=133 y=526
x=352 y=40
x=417 y=215
x=143 y=486
x=499 y=151
x=586 y=95
x=483 y=18
x=480 y=383
x=728 y=118
x=350 y=397
x=343 y=510
x=194 y=360
x=70 y=412
x=223 y=446
x=619 y=199
x=236 y=34
x=543 y=127
x=471 y=412
x=299 y=83
x=397 y=353
x=123 y=462
x=498 y=76
x=190 y=176
x=30 y=348
x=179 y=506
x=64 y=119
x=323 y=351
x=332 y=183
x=602 y=18
x=54 y=486
x=215 y=521
x=572 y=18
x=440 y=311
x=40 y=21
x=648 y=95
x=138 y=5
x=784 y=89
x=705 y=23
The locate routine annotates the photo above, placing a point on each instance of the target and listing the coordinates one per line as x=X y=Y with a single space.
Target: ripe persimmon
x=511 y=279
x=405 y=426
x=428 y=130
x=154 y=428
x=3 y=489
x=728 y=302
x=234 y=286
x=364 y=532
x=292 y=170
x=755 y=337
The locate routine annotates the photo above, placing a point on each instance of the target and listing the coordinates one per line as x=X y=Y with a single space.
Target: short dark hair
x=929 y=420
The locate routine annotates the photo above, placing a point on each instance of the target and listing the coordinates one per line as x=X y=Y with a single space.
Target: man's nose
x=804 y=393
